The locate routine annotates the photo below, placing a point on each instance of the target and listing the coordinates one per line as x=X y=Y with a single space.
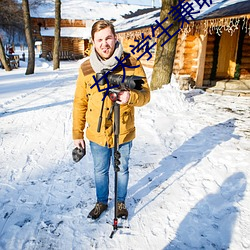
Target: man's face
x=104 y=42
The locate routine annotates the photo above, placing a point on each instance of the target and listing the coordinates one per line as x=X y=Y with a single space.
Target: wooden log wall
x=126 y=44
x=66 y=44
x=187 y=50
x=209 y=57
x=73 y=45
x=190 y=57
x=245 y=61
x=47 y=45
x=178 y=61
x=127 y=38
x=79 y=46
x=50 y=22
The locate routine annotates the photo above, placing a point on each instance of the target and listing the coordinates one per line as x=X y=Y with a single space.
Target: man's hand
x=79 y=151
x=79 y=143
x=123 y=97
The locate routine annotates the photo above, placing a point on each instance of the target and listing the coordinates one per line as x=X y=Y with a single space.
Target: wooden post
x=201 y=60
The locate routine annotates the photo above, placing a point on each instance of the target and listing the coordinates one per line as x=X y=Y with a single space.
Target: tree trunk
x=29 y=38
x=164 y=58
x=56 y=59
x=3 y=57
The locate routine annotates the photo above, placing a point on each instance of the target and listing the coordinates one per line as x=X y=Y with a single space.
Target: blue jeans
x=102 y=157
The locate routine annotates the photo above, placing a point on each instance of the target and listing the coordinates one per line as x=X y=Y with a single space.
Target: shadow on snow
x=190 y=153
x=23 y=110
x=209 y=225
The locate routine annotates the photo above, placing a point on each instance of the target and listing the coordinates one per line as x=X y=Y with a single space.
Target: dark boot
x=97 y=210
x=122 y=211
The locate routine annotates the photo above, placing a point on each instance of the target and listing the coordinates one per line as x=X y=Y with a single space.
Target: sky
x=189 y=169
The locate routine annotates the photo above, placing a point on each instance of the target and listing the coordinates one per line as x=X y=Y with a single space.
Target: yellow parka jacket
x=88 y=101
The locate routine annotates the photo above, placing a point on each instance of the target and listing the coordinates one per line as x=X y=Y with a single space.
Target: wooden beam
x=201 y=60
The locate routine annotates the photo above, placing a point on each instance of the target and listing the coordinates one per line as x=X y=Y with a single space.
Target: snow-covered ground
x=189 y=170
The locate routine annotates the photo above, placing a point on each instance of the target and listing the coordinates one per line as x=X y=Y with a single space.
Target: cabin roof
x=225 y=8
x=218 y=9
x=137 y=22
x=77 y=32
x=85 y=10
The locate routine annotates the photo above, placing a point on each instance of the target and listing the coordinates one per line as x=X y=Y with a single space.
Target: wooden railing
x=64 y=55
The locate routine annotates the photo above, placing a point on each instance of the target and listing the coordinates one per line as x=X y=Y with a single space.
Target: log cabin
x=213 y=49
x=77 y=19
x=74 y=41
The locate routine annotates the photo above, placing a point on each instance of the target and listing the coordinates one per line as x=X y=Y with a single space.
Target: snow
x=84 y=33
x=137 y=22
x=189 y=169
x=86 y=10
x=149 y=19
x=216 y=5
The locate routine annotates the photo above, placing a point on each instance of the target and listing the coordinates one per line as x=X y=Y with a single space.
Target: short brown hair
x=101 y=24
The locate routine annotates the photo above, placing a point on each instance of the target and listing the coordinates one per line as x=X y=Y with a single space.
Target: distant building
x=77 y=19
x=74 y=37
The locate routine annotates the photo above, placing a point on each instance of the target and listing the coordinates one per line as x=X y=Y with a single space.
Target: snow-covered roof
x=218 y=8
x=85 y=10
x=224 y=8
x=137 y=22
x=80 y=32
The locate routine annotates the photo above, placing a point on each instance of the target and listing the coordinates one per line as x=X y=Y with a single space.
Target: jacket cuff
x=77 y=135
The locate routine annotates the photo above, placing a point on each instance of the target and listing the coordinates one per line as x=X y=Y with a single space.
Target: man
x=87 y=106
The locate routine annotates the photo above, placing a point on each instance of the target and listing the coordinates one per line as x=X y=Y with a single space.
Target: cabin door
x=227 y=55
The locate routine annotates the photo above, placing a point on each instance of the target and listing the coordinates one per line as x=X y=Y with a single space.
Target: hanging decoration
x=218 y=26
x=246 y=25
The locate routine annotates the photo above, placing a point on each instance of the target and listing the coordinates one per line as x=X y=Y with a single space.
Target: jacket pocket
x=127 y=120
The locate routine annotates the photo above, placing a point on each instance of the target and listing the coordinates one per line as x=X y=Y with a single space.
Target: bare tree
x=36 y=3
x=11 y=24
x=28 y=33
x=11 y=16
x=56 y=59
x=164 y=58
x=3 y=57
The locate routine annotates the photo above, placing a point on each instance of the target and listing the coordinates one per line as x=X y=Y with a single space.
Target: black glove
x=78 y=153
